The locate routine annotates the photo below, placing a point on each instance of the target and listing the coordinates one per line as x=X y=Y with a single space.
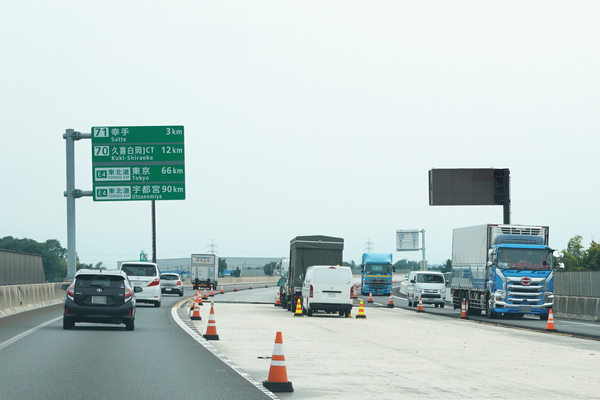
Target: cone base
x=420 y=310
x=390 y=306
x=278 y=386
x=196 y=318
x=370 y=301
x=298 y=315
x=551 y=330
x=211 y=337
x=361 y=317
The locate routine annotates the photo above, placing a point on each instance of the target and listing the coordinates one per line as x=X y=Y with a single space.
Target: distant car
x=428 y=286
x=147 y=276
x=171 y=283
x=100 y=296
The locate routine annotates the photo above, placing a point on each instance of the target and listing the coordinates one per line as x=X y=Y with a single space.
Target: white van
x=147 y=276
x=428 y=286
x=327 y=288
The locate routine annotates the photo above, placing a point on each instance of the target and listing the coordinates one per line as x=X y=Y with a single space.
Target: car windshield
x=525 y=259
x=169 y=277
x=103 y=281
x=139 y=270
x=429 y=278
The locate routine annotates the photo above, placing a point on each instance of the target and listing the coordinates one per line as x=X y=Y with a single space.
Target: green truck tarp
x=313 y=250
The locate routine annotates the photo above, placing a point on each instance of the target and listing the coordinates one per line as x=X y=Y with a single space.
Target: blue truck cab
x=376 y=273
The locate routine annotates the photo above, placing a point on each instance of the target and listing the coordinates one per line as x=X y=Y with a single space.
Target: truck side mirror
x=393 y=269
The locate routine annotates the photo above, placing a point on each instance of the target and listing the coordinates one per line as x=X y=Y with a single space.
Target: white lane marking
x=28 y=332
x=562 y=321
x=206 y=344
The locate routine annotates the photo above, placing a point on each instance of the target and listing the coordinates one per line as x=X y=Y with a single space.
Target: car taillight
x=154 y=283
x=311 y=292
x=178 y=283
x=127 y=293
x=70 y=292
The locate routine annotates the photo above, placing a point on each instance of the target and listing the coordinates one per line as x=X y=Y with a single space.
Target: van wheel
x=157 y=304
x=436 y=305
x=442 y=305
x=410 y=303
x=309 y=312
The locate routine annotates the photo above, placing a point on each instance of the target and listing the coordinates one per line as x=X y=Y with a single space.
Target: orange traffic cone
x=235 y=287
x=391 y=302
x=211 y=294
x=204 y=296
x=196 y=313
x=298 y=312
x=370 y=297
x=361 y=311
x=278 y=380
x=420 y=306
x=277 y=301
x=463 y=310
x=550 y=325
x=266 y=284
x=211 y=328
x=250 y=287
x=222 y=291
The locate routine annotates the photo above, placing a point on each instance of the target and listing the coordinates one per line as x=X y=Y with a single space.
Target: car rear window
x=332 y=276
x=139 y=270
x=169 y=277
x=104 y=281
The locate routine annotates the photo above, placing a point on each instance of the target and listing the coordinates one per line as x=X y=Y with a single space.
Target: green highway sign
x=138 y=163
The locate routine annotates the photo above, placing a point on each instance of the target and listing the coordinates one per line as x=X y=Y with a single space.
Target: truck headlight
x=417 y=290
x=499 y=295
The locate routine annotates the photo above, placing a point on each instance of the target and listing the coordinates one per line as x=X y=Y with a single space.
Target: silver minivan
x=327 y=288
x=428 y=286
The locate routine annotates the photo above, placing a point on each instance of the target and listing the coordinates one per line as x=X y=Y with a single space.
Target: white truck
x=204 y=271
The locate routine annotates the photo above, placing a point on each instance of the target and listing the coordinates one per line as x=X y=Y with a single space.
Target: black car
x=100 y=296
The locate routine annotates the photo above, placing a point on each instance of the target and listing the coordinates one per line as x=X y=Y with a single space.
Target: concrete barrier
x=587 y=308
x=15 y=299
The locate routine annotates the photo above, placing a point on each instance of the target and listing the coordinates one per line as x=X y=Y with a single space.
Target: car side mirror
x=65 y=286
x=137 y=289
x=301 y=277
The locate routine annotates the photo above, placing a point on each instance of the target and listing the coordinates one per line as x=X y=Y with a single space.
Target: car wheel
x=157 y=304
x=67 y=323
x=129 y=325
x=180 y=293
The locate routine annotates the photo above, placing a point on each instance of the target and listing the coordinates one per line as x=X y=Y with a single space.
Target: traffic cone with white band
x=463 y=310
x=550 y=326
x=196 y=313
x=211 y=328
x=370 y=297
x=278 y=380
x=391 y=302
x=420 y=306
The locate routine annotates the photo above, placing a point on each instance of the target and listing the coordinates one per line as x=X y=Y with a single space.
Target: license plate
x=331 y=295
x=98 y=299
x=168 y=289
x=524 y=309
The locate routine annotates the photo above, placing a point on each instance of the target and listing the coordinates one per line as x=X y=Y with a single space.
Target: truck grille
x=532 y=294
x=378 y=282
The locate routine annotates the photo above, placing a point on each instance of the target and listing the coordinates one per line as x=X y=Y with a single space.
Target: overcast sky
x=302 y=118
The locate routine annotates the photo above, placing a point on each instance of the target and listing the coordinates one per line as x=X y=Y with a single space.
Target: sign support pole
x=154 y=231
x=71 y=194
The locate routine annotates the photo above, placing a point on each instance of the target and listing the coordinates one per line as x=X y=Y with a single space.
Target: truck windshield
x=525 y=259
x=378 y=269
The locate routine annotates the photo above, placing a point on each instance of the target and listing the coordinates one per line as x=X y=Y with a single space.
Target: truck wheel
x=341 y=313
x=442 y=305
x=492 y=315
x=436 y=305
x=410 y=303
x=544 y=317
